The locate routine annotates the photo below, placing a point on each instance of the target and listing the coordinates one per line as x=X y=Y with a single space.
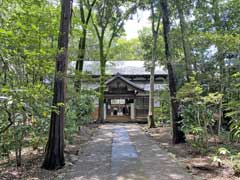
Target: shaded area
x=125 y=163
x=124 y=152
x=156 y=162
x=94 y=158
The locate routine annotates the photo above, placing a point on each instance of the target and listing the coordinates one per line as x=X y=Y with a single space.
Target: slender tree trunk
x=82 y=41
x=151 y=123
x=220 y=118
x=101 y=92
x=178 y=135
x=54 y=158
x=185 y=42
x=80 y=61
x=220 y=56
x=18 y=147
x=102 y=81
x=155 y=31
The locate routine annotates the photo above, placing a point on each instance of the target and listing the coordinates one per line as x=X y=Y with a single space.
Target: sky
x=139 y=20
x=132 y=26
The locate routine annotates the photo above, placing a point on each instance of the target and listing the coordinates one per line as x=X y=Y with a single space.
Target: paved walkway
x=123 y=152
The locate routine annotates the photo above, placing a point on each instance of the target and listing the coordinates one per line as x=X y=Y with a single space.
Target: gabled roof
x=119 y=76
x=122 y=67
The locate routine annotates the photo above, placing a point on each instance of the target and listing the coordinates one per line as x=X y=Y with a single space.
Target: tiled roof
x=122 y=67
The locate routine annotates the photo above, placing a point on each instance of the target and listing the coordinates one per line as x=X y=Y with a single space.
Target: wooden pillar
x=104 y=111
x=133 y=110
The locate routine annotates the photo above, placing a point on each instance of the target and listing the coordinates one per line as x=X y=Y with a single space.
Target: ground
x=201 y=166
x=122 y=152
x=114 y=151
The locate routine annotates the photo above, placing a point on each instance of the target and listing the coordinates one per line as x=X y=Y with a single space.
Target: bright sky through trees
x=138 y=22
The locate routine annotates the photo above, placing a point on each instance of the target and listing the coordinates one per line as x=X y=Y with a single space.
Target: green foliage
x=198 y=110
x=223 y=151
x=232 y=108
x=126 y=50
x=145 y=37
x=162 y=113
x=28 y=34
x=82 y=106
x=190 y=92
x=24 y=111
x=79 y=110
x=221 y=154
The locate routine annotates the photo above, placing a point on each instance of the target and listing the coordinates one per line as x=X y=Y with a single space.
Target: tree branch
x=9 y=120
x=90 y=12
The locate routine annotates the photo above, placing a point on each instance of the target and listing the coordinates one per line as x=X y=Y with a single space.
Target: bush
x=162 y=113
x=197 y=109
x=79 y=111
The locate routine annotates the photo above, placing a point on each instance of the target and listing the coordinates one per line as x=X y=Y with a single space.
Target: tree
x=109 y=18
x=84 y=19
x=178 y=135
x=54 y=158
x=126 y=49
x=26 y=48
x=185 y=41
x=156 y=18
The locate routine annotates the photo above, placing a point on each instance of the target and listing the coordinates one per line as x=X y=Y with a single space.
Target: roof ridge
x=118 y=75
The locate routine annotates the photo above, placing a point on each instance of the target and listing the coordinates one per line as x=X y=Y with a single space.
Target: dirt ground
x=201 y=166
x=105 y=152
x=32 y=160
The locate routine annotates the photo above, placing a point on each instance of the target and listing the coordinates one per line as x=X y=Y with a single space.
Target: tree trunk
x=80 y=61
x=220 y=118
x=155 y=31
x=220 y=56
x=54 y=157
x=101 y=97
x=82 y=41
x=178 y=135
x=18 y=149
x=185 y=42
x=102 y=81
x=101 y=92
x=151 y=123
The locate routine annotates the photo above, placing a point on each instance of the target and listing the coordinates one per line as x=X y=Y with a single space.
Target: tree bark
x=155 y=31
x=80 y=61
x=54 y=157
x=151 y=123
x=102 y=80
x=178 y=135
x=185 y=42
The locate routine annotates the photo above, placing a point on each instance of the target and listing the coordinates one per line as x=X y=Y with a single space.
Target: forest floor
x=105 y=152
x=32 y=159
x=121 y=152
x=200 y=165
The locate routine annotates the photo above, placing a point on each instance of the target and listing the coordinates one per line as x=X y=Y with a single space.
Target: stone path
x=123 y=152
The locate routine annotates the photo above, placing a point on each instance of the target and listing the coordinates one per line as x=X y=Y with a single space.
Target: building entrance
x=119 y=109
